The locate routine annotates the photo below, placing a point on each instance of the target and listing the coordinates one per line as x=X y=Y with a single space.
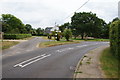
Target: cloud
x=44 y=13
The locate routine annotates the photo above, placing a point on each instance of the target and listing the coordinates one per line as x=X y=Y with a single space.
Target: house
x=48 y=30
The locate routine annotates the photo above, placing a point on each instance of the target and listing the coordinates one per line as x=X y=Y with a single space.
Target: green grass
x=91 y=39
x=79 y=72
x=56 y=43
x=109 y=64
x=28 y=38
x=78 y=39
x=88 y=62
x=7 y=44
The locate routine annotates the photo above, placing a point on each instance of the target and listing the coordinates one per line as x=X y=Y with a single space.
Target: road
x=23 y=47
x=52 y=62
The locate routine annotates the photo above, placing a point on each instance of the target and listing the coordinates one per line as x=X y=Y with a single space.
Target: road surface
x=52 y=62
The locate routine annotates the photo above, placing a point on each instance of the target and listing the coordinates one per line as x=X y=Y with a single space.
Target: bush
x=115 y=37
x=67 y=34
x=16 y=36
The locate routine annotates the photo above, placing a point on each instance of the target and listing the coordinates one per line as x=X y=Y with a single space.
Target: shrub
x=16 y=36
x=115 y=37
x=67 y=34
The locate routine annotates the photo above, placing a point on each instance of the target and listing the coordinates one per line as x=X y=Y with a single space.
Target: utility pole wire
x=77 y=9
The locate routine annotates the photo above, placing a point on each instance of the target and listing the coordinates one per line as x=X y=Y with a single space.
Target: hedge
x=16 y=36
x=115 y=38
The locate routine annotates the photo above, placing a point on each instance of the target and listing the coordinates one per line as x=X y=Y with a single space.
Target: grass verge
x=109 y=64
x=7 y=44
x=55 y=43
x=78 y=39
x=91 y=39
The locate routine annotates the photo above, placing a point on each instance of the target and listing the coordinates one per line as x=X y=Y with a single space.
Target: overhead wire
x=77 y=9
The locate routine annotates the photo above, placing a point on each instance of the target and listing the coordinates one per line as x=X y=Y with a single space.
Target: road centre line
x=81 y=46
x=62 y=50
x=30 y=61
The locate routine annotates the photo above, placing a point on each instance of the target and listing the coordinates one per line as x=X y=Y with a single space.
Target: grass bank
x=7 y=44
x=55 y=43
x=109 y=64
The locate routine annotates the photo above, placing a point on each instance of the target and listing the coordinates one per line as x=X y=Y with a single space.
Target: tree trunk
x=82 y=35
x=75 y=37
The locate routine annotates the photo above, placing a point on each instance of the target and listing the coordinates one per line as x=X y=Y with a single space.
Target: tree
x=11 y=24
x=67 y=34
x=28 y=28
x=33 y=32
x=86 y=24
x=40 y=31
x=104 y=31
x=0 y=26
x=64 y=26
x=115 y=19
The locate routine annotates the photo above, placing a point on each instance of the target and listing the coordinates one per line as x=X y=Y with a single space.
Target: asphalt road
x=51 y=62
x=23 y=47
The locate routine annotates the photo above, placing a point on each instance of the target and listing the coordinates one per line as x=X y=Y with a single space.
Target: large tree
x=87 y=24
x=12 y=24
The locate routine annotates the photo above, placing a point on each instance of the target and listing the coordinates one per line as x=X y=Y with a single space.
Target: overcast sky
x=44 y=13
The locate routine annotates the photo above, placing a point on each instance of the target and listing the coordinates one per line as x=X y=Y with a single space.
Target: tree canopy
x=87 y=24
x=64 y=26
x=12 y=24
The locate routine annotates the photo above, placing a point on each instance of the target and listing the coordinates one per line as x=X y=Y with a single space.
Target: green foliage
x=67 y=34
x=87 y=24
x=109 y=64
x=65 y=25
x=39 y=32
x=115 y=37
x=16 y=36
x=50 y=36
x=12 y=24
x=28 y=28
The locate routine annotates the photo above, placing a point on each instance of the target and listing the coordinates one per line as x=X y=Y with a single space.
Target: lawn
x=109 y=64
x=56 y=43
x=7 y=44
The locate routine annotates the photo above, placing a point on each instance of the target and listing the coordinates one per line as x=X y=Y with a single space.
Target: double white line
x=32 y=60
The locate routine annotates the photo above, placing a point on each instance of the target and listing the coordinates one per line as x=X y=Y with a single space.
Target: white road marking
x=30 y=61
x=29 y=50
x=62 y=50
x=81 y=46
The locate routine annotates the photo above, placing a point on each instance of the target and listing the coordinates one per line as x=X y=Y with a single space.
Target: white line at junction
x=32 y=60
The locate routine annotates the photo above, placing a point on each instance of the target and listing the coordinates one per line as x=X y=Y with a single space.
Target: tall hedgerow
x=115 y=38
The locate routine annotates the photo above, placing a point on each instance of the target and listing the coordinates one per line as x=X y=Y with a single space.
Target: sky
x=45 y=13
